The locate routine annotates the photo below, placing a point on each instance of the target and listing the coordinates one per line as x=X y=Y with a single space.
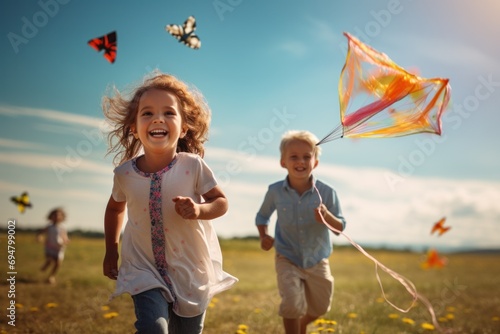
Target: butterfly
x=22 y=202
x=185 y=33
x=434 y=260
x=106 y=43
x=438 y=226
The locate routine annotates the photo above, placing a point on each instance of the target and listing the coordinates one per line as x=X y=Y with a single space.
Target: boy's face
x=299 y=159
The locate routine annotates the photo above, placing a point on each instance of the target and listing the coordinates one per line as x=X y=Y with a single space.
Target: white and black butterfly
x=185 y=33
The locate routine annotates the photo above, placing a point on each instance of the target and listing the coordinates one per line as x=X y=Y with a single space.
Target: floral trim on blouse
x=157 y=233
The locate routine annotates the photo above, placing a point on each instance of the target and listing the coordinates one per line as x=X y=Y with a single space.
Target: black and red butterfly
x=106 y=43
x=185 y=33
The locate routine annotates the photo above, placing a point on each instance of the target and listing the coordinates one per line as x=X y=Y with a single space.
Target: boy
x=302 y=241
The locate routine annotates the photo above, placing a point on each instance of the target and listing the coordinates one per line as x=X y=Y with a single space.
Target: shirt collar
x=286 y=184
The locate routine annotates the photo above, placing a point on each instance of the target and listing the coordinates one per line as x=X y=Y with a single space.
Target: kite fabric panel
x=108 y=43
x=378 y=98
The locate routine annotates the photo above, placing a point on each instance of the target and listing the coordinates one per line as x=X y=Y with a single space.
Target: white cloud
x=19 y=144
x=295 y=48
x=323 y=31
x=450 y=52
x=49 y=162
x=53 y=115
x=375 y=213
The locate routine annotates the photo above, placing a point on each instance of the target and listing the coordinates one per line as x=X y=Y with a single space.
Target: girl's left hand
x=186 y=207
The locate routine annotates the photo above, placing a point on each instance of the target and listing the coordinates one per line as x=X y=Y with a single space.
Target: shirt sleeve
x=266 y=210
x=205 y=178
x=334 y=207
x=117 y=192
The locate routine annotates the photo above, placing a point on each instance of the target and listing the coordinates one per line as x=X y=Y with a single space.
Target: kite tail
x=409 y=286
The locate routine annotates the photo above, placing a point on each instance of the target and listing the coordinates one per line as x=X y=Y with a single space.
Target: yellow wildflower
x=110 y=315
x=408 y=321
x=51 y=305
x=428 y=326
x=243 y=327
x=393 y=315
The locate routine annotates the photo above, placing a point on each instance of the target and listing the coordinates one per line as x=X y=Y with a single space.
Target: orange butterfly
x=439 y=227
x=434 y=260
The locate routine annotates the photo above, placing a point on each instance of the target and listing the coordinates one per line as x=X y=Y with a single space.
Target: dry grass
x=465 y=294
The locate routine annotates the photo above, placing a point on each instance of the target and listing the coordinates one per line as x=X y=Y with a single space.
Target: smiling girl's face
x=159 y=122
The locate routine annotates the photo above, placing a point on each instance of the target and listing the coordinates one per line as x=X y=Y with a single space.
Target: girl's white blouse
x=192 y=249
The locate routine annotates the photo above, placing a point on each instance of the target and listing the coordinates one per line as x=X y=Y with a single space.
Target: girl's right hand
x=110 y=265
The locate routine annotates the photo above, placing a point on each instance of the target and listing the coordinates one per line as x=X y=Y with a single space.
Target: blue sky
x=265 y=67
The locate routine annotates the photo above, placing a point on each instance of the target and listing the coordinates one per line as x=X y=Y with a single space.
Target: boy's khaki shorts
x=304 y=291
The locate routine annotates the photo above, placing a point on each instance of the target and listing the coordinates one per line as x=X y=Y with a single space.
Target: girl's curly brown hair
x=121 y=112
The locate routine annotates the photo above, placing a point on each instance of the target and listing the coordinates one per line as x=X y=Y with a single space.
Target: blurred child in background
x=56 y=239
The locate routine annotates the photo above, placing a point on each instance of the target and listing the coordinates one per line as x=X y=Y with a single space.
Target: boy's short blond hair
x=302 y=135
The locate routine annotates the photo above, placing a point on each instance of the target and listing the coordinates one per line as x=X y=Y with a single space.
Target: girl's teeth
x=157 y=133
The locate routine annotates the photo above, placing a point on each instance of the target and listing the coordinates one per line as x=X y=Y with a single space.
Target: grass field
x=465 y=294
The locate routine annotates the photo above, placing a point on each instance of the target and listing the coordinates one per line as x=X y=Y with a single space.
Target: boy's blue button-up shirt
x=298 y=236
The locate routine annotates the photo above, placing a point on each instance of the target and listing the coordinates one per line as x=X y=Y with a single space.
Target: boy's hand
x=319 y=213
x=266 y=242
x=186 y=207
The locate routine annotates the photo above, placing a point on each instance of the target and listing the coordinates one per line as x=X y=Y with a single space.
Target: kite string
x=409 y=286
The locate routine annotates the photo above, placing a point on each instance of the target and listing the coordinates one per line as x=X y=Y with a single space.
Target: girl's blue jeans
x=155 y=316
